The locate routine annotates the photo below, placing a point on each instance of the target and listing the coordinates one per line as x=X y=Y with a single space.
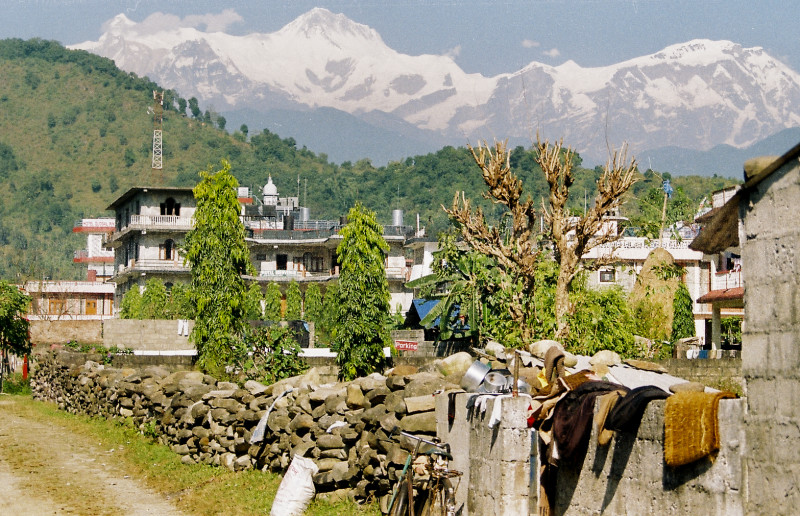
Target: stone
x=494 y=348
x=377 y=396
x=395 y=402
x=355 y=397
x=228 y=404
x=402 y=370
x=420 y=403
x=687 y=387
x=425 y=383
x=455 y=365
x=422 y=422
x=395 y=383
x=301 y=422
x=255 y=388
x=606 y=357
x=646 y=365
x=540 y=347
x=327 y=441
x=570 y=360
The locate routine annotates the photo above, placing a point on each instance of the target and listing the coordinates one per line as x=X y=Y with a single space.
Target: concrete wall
x=707 y=371
x=149 y=335
x=770 y=243
x=629 y=476
x=45 y=333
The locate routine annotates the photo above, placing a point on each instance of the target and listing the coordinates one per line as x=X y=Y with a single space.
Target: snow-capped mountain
x=694 y=95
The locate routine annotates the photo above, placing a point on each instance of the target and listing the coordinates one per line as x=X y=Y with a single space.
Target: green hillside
x=75 y=133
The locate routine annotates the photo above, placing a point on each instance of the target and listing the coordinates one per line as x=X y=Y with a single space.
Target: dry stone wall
x=344 y=427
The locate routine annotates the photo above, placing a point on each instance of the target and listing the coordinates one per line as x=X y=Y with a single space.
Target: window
x=608 y=276
x=168 y=250
x=312 y=263
x=170 y=207
x=281 y=261
x=57 y=306
x=261 y=257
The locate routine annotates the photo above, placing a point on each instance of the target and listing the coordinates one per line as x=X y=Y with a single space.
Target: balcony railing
x=724 y=280
x=161 y=221
x=84 y=255
x=150 y=265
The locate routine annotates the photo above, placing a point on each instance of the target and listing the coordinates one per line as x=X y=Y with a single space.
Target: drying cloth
x=605 y=403
x=553 y=364
x=570 y=382
x=627 y=413
x=691 y=426
x=572 y=418
x=451 y=407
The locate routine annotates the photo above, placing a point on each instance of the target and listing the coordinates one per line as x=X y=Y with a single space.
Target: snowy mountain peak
x=322 y=22
x=696 y=94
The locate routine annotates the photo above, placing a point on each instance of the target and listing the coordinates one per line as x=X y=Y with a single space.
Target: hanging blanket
x=691 y=426
x=627 y=413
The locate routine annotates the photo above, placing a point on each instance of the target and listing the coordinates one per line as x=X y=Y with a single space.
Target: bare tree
x=575 y=236
x=513 y=245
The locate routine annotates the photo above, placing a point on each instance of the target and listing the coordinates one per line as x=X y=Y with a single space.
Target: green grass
x=198 y=489
x=14 y=384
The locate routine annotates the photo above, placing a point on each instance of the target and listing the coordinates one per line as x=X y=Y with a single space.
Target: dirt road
x=44 y=469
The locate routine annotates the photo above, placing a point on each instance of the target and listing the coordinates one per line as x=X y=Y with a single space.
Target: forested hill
x=75 y=133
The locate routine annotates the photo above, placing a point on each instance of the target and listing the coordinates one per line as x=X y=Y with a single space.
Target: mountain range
x=335 y=86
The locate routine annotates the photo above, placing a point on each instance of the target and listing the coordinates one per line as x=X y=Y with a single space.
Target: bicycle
x=435 y=492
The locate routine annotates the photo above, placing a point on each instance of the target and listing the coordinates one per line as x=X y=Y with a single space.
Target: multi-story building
x=285 y=244
x=150 y=225
x=79 y=300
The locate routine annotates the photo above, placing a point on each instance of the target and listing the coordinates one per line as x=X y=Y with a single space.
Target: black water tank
x=288 y=223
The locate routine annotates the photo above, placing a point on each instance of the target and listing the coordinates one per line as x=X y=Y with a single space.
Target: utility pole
x=158 y=118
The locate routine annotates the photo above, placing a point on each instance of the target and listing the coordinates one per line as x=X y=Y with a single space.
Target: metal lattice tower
x=158 y=117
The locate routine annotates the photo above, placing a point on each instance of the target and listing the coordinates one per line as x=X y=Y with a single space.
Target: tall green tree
x=131 y=306
x=154 y=300
x=682 y=313
x=272 y=303
x=219 y=256
x=13 y=324
x=361 y=333
x=313 y=300
x=253 y=301
x=180 y=304
x=294 y=302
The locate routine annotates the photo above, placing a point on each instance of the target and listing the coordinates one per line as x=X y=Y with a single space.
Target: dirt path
x=46 y=470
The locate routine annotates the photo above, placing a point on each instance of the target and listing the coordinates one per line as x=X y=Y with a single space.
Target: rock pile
x=345 y=427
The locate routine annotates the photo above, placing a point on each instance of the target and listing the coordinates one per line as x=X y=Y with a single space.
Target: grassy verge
x=198 y=489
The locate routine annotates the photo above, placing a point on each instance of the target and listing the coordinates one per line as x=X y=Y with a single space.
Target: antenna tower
x=158 y=117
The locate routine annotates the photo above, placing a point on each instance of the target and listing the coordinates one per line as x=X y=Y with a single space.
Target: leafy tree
x=181 y=106
x=602 y=320
x=683 y=317
x=330 y=313
x=272 y=303
x=244 y=130
x=154 y=300
x=129 y=157
x=221 y=122
x=131 y=306
x=271 y=353
x=219 y=256
x=731 y=329
x=253 y=302
x=180 y=304
x=194 y=107
x=313 y=310
x=575 y=236
x=657 y=211
x=360 y=333
x=13 y=323
x=294 y=302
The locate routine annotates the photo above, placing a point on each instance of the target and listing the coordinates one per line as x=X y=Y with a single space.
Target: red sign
x=405 y=345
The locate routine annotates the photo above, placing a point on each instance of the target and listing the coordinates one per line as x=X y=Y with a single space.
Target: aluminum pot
x=495 y=381
x=474 y=376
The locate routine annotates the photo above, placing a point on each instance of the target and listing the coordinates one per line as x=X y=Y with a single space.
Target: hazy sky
x=489 y=37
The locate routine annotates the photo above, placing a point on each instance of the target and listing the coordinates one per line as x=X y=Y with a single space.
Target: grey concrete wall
x=710 y=371
x=147 y=335
x=770 y=243
x=45 y=333
x=629 y=476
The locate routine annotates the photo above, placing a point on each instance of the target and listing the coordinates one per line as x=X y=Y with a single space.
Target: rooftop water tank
x=397 y=217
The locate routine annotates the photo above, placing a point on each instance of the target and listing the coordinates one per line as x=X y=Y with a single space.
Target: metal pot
x=495 y=381
x=474 y=376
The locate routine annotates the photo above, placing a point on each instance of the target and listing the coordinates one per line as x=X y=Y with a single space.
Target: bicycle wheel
x=439 y=500
x=400 y=506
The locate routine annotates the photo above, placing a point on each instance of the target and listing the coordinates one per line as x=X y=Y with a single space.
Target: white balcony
x=161 y=222
x=724 y=280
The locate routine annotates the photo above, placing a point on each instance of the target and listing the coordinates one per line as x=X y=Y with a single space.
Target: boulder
x=539 y=348
x=606 y=357
x=455 y=365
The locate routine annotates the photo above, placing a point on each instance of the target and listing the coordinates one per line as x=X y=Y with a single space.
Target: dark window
x=608 y=276
x=170 y=207
x=281 y=261
x=169 y=250
x=261 y=257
